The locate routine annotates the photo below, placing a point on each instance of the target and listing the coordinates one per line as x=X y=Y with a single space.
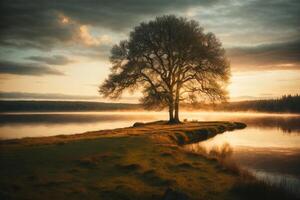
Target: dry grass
x=131 y=163
x=180 y=133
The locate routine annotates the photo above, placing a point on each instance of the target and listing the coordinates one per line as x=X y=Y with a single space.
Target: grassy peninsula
x=145 y=161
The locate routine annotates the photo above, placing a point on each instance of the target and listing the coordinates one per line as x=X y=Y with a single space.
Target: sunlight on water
x=256 y=137
x=18 y=125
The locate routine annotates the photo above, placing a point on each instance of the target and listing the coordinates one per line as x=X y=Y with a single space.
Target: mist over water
x=18 y=125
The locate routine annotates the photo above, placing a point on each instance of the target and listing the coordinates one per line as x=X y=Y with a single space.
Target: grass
x=143 y=162
x=247 y=185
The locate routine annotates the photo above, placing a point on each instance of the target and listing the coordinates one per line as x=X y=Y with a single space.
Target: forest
x=286 y=103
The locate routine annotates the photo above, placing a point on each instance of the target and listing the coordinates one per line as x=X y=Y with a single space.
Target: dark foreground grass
x=145 y=162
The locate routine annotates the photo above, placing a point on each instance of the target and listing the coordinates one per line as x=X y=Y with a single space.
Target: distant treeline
x=56 y=106
x=286 y=103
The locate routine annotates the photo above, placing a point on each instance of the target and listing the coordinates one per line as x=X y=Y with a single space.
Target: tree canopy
x=170 y=60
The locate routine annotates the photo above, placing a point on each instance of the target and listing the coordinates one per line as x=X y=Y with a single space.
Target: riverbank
x=141 y=162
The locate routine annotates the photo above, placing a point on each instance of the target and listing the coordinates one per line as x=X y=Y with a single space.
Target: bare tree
x=171 y=60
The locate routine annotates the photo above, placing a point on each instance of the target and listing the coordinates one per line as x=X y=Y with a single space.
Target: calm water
x=19 y=125
x=269 y=147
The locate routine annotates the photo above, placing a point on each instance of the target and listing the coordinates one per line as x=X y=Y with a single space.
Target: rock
x=138 y=124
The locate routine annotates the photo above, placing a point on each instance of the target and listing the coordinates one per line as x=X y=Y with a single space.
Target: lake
x=269 y=147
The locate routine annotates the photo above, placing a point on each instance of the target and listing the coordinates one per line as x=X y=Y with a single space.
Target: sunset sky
x=60 y=49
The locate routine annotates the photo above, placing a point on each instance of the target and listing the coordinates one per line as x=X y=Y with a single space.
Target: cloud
x=88 y=39
x=7 y=67
x=88 y=28
x=273 y=14
x=249 y=22
x=276 y=56
x=31 y=24
x=43 y=24
x=124 y=14
x=93 y=52
x=53 y=60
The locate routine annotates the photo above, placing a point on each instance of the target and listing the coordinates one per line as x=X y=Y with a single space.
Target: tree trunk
x=171 y=111
x=176 y=118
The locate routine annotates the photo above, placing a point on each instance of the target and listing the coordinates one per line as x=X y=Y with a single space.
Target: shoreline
x=185 y=133
x=142 y=162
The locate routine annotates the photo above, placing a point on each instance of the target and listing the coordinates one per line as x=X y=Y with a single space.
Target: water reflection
x=67 y=118
x=274 y=160
x=19 y=125
x=57 y=121
x=288 y=123
x=269 y=148
x=290 y=183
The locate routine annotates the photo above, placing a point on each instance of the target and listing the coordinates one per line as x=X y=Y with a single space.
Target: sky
x=60 y=49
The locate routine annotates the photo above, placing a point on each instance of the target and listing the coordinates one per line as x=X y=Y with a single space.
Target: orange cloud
x=88 y=39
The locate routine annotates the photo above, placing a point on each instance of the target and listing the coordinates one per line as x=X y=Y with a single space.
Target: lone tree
x=171 y=60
